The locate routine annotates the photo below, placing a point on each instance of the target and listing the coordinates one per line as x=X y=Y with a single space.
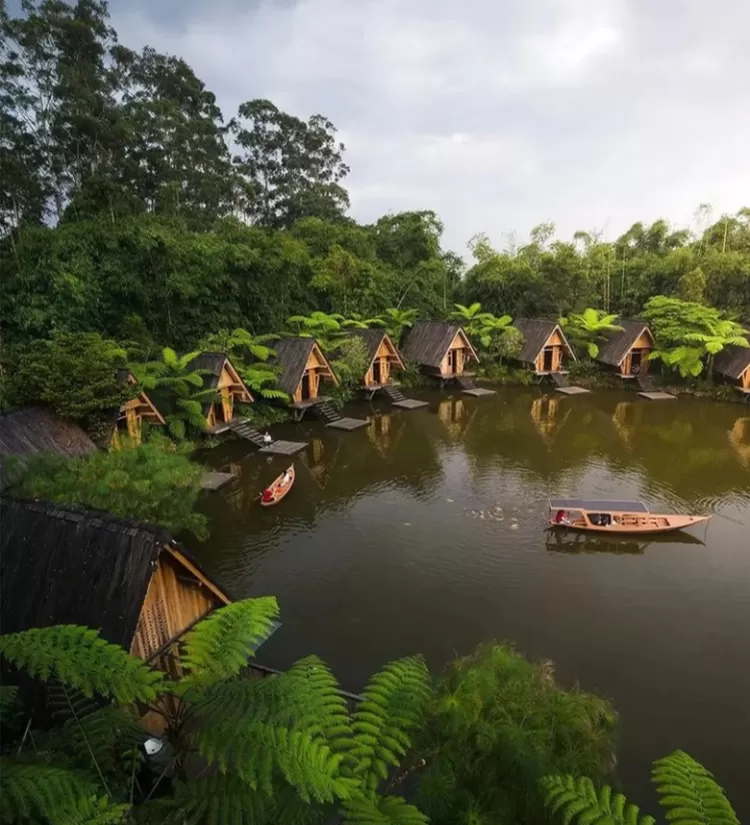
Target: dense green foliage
x=588 y=329
x=154 y=482
x=686 y=789
x=497 y=725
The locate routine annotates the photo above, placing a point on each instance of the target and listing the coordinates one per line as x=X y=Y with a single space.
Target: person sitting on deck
x=267 y=438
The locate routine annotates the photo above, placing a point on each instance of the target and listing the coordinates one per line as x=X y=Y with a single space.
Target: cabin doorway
x=636 y=362
x=309 y=388
x=548 y=359
x=377 y=373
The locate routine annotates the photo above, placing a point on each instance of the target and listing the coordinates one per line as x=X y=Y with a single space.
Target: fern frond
x=381 y=810
x=32 y=791
x=312 y=699
x=393 y=705
x=90 y=811
x=577 y=800
x=10 y=706
x=219 y=646
x=80 y=658
x=690 y=793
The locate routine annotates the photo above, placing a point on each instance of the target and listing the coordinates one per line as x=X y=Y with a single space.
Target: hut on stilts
x=626 y=351
x=132 y=414
x=732 y=366
x=220 y=375
x=546 y=351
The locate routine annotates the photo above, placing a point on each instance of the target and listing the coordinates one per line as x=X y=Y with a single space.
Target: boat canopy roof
x=597 y=505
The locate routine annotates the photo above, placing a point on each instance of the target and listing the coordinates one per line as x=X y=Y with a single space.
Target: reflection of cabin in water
x=545 y=414
x=440 y=349
x=455 y=416
x=220 y=374
x=626 y=351
x=67 y=565
x=303 y=369
x=382 y=357
x=545 y=348
x=132 y=414
x=739 y=438
x=732 y=365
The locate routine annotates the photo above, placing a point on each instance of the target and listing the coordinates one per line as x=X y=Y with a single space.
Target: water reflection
x=558 y=541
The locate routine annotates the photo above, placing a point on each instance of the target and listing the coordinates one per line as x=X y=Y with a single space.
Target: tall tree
x=293 y=168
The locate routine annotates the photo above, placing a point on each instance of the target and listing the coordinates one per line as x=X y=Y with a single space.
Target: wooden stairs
x=466 y=382
x=646 y=383
x=393 y=392
x=559 y=379
x=244 y=429
x=326 y=412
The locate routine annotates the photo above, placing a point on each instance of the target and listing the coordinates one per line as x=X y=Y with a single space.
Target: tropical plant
x=282 y=749
x=178 y=390
x=688 y=792
x=154 y=482
x=588 y=329
x=326 y=329
x=496 y=726
x=689 y=335
x=395 y=321
x=350 y=361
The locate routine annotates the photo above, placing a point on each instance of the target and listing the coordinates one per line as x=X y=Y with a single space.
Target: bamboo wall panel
x=171 y=605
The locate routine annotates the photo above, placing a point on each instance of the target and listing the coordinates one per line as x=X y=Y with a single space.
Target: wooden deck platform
x=478 y=392
x=214 y=481
x=284 y=447
x=572 y=390
x=658 y=396
x=347 y=424
x=410 y=404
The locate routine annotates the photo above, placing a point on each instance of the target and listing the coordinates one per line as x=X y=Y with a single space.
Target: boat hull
x=279 y=492
x=635 y=524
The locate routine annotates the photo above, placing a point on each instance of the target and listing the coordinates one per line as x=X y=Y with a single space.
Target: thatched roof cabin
x=545 y=347
x=439 y=348
x=63 y=564
x=382 y=356
x=627 y=350
x=303 y=368
x=132 y=413
x=220 y=374
x=733 y=365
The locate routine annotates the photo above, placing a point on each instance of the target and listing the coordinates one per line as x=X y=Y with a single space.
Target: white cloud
x=496 y=115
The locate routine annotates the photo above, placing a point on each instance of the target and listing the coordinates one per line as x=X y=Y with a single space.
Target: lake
x=424 y=533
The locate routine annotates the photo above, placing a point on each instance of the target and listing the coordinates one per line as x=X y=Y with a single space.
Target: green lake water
x=424 y=532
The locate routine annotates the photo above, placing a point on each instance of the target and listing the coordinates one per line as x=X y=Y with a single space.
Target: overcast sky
x=497 y=114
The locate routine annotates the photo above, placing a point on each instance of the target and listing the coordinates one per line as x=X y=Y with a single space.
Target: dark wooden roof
x=292 y=355
x=620 y=342
x=536 y=332
x=38 y=430
x=373 y=338
x=427 y=342
x=62 y=564
x=732 y=362
x=212 y=364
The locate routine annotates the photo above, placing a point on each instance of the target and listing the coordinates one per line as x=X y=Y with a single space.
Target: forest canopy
x=132 y=206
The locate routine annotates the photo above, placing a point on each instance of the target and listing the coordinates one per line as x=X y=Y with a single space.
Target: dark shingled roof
x=38 y=430
x=536 y=333
x=373 y=338
x=212 y=363
x=732 y=362
x=291 y=355
x=620 y=342
x=62 y=564
x=427 y=342
x=66 y=565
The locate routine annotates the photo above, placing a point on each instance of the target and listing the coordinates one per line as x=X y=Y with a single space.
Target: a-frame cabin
x=220 y=374
x=732 y=366
x=131 y=415
x=304 y=369
x=382 y=355
x=440 y=349
x=545 y=349
x=626 y=351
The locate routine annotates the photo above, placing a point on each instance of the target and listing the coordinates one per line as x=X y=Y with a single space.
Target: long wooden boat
x=615 y=517
x=276 y=491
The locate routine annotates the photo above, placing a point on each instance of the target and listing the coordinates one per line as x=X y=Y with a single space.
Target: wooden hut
x=30 y=430
x=440 y=349
x=732 y=365
x=626 y=351
x=220 y=374
x=382 y=355
x=545 y=348
x=303 y=369
x=132 y=414
x=62 y=564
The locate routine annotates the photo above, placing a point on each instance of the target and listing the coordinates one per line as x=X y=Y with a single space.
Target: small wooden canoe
x=278 y=489
x=614 y=518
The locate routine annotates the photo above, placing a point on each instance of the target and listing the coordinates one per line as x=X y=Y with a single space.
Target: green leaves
x=577 y=801
x=80 y=658
x=371 y=809
x=220 y=645
x=689 y=792
x=589 y=328
x=38 y=792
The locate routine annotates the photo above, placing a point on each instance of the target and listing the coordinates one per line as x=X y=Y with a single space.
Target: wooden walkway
x=658 y=396
x=214 y=481
x=347 y=424
x=283 y=447
x=410 y=404
x=478 y=392
x=572 y=390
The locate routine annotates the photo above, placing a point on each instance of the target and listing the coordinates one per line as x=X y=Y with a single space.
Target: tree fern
x=689 y=792
x=33 y=791
x=577 y=800
x=393 y=705
x=10 y=707
x=80 y=658
x=90 y=811
x=371 y=809
x=219 y=646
